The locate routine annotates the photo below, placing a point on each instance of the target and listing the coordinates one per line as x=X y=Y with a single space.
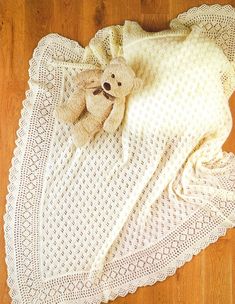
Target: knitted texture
x=88 y=225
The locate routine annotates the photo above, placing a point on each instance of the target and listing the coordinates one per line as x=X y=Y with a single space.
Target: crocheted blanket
x=88 y=225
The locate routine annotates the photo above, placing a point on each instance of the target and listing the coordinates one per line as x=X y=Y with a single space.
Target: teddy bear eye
x=119 y=83
x=112 y=75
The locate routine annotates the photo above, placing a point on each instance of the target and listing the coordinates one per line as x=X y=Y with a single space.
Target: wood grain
x=210 y=277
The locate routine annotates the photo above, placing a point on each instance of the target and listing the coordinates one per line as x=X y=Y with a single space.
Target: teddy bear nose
x=107 y=86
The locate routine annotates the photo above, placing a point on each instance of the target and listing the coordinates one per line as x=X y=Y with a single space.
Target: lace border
x=198 y=15
x=18 y=153
x=151 y=280
x=226 y=10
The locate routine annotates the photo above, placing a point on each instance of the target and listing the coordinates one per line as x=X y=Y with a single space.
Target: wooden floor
x=209 y=277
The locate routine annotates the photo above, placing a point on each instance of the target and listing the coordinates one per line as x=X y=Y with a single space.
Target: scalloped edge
x=18 y=152
x=151 y=280
x=219 y=9
x=215 y=9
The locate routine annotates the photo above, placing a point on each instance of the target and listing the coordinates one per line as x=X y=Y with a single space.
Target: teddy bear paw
x=65 y=114
x=110 y=128
x=79 y=141
x=80 y=136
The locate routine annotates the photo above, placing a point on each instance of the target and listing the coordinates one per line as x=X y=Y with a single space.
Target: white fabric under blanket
x=88 y=225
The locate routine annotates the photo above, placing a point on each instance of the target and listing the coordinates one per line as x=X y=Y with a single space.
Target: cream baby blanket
x=88 y=225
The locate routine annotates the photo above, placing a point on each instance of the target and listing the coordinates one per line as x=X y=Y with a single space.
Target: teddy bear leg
x=80 y=135
x=85 y=130
x=70 y=111
x=66 y=114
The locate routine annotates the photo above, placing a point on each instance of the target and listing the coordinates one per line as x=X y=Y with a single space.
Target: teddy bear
x=99 y=99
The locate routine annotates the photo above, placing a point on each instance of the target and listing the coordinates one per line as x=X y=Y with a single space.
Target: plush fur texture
x=99 y=100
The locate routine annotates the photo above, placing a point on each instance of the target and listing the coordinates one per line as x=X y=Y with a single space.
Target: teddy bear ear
x=118 y=60
x=138 y=83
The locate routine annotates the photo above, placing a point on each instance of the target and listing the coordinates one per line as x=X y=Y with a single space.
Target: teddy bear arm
x=115 y=117
x=88 y=77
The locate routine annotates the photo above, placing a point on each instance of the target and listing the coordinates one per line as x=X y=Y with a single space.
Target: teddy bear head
x=118 y=79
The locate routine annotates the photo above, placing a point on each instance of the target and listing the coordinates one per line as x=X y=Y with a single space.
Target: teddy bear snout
x=107 y=86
